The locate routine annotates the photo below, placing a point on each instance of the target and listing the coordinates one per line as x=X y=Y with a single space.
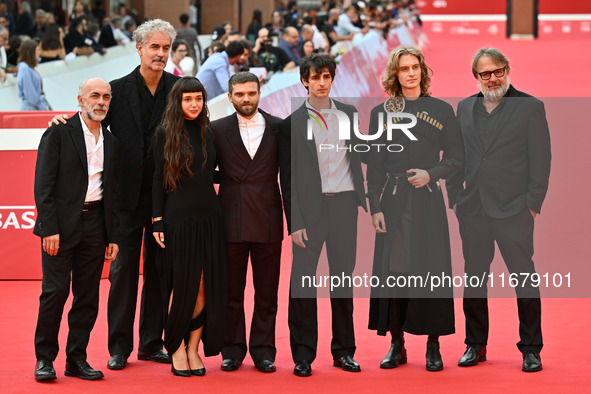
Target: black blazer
x=61 y=181
x=301 y=185
x=124 y=121
x=511 y=173
x=249 y=193
x=107 y=39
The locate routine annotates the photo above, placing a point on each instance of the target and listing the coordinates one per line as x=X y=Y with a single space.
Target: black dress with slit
x=194 y=242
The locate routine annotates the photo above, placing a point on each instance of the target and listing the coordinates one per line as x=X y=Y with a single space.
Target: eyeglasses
x=485 y=75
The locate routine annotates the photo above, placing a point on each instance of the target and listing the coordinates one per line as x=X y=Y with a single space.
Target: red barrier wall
x=499 y=7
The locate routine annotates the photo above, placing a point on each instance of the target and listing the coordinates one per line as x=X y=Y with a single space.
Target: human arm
x=377 y=176
x=223 y=76
x=111 y=252
x=51 y=244
x=289 y=65
x=83 y=51
x=284 y=158
x=288 y=178
x=46 y=170
x=379 y=222
x=454 y=183
x=346 y=27
x=539 y=157
x=452 y=159
x=284 y=60
x=158 y=192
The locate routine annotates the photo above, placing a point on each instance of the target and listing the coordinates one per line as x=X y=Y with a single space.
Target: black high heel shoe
x=198 y=372
x=185 y=373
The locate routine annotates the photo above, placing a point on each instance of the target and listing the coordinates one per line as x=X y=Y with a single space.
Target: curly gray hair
x=146 y=29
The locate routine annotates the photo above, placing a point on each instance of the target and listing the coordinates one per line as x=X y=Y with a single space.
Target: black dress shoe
x=395 y=357
x=159 y=356
x=198 y=372
x=473 y=354
x=117 y=362
x=265 y=366
x=185 y=373
x=434 y=362
x=230 y=364
x=531 y=361
x=347 y=364
x=82 y=370
x=302 y=368
x=44 y=371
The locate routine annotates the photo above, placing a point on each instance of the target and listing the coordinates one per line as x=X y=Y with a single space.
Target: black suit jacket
x=300 y=175
x=61 y=181
x=249 y=193
x=125 y=122
x=511 y=172
x=107 y=39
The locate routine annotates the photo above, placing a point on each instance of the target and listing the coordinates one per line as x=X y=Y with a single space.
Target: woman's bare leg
x=195 y=336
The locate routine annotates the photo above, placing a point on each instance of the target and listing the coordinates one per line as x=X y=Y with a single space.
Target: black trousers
x=266 y=263
x=337 y=227
x=81 y=257
x=514 y=236
x=135 y=227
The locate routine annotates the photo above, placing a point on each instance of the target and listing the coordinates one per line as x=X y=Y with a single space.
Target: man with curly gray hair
x=137 y=105
x=139 y=99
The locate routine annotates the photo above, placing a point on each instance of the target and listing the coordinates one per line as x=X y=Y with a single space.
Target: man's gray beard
x=95 y=118
x=495 y=94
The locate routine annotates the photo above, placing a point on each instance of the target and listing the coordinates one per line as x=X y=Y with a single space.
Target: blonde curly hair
x=390 y=77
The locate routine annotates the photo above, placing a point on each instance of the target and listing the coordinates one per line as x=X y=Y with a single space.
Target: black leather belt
x=90 y=205
x=337 y=193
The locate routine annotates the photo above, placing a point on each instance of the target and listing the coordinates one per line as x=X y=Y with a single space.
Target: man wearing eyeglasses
x=507 y=145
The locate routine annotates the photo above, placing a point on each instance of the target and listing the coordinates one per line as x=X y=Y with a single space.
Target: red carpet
x=544 y=68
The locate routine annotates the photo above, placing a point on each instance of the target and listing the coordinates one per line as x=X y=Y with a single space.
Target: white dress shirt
x=335 y=167
x=3 y=57
x=95 y=158
x=345 y=27
x=251 y=131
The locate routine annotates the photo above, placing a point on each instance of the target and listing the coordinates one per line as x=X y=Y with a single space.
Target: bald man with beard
x=76 y=195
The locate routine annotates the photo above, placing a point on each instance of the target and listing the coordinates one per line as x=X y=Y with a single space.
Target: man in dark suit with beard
x=139 y=100
x=507 y=146
x=78 y=221
x=321 y=203
x=246 y=147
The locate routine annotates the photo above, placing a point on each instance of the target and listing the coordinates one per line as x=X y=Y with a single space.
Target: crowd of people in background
x=61 y=35
x=271 y=43
x=292 y=33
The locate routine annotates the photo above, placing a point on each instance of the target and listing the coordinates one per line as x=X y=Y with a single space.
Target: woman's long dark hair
x=178 y=154
x=51 y=38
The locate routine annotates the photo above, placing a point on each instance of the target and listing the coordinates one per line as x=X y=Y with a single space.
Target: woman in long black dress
x=408 y=211
x=188 y=225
